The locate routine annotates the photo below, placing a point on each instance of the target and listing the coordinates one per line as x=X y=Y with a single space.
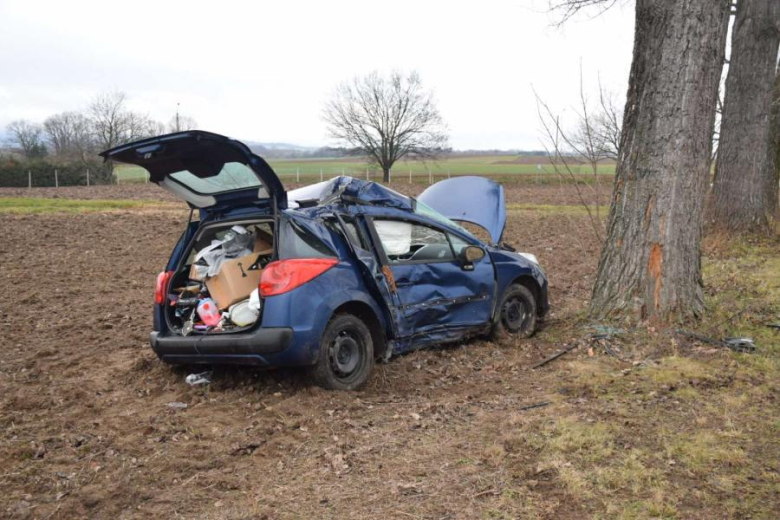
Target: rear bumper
x=244 y=348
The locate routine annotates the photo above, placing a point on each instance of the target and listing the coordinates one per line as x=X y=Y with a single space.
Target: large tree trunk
x=776 y=126
x=385 y=174
x=650 y=263
x=744 y=194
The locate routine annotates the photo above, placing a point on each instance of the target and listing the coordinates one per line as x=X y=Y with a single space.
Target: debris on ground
x=177 y=405
x=745 y=345
x=605 y=332
x=203 y=378
x=740 y=344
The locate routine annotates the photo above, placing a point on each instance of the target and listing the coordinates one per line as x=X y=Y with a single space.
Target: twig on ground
x=554 y=356
x=612 y=353
x=535 y=405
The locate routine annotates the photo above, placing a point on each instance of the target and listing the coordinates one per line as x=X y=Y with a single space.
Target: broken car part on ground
x=331 y=276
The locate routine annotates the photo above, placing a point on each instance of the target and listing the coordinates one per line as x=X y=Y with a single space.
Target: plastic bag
x=236 y=242
x=254 y=300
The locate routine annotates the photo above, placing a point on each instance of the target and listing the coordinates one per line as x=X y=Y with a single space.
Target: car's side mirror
x=471 y=254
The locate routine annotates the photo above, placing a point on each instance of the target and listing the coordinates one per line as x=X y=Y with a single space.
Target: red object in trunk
x=285 y=275
x=161 y=286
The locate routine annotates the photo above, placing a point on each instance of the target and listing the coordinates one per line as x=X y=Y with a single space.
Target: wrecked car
x=333 y=276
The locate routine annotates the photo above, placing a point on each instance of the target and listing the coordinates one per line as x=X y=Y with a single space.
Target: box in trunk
x=263 y=242
x=237 y=278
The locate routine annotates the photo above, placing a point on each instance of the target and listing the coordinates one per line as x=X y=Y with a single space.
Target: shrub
x=14 y=173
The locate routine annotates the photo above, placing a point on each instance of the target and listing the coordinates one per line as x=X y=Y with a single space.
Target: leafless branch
x=556 y=140
x=569 y=8
x=27 y=137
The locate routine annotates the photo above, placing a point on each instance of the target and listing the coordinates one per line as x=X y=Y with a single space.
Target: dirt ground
x=687 y=431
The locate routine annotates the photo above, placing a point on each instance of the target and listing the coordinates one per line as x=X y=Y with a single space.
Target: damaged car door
x=439 y=293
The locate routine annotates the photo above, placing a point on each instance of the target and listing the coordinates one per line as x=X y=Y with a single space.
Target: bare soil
x=89 y=429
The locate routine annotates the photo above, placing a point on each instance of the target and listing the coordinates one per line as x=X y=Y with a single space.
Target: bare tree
x=28 y=137
x=598 y=130
x=70 y=135
x=744 y=192
x=565 y=149
x=387 y=118
x=181 y=123
x=651 y=260
x=112 y=124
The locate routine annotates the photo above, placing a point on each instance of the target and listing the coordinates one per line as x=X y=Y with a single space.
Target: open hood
x=470 y=199
x=204 y=169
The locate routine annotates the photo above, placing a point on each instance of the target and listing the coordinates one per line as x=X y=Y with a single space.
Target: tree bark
x=744 y=192
x=776 y=126
x=650 y=263
x=385 y=174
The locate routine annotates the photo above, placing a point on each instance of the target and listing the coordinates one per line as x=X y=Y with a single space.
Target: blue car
x=341 y=273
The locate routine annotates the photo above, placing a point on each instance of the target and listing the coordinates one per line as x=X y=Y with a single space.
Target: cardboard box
x=237 y=278
x=263 y=240
x=263 y=244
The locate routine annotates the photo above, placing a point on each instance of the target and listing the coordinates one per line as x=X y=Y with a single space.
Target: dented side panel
x=436 y=295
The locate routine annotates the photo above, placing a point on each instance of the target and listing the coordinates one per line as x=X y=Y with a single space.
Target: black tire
x=516 y=313
x=346 y=356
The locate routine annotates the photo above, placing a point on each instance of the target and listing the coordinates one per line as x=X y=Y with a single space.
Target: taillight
x=285 y=275
x=161 y=286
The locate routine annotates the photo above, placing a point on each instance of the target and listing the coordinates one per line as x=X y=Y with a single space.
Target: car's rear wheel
x=516 y=313
x=346 y=356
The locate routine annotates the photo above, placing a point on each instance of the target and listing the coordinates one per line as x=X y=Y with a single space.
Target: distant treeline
x=69 y=142
x=15 y=173
x=336 y=152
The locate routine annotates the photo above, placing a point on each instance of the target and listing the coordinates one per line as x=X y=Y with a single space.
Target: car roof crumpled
x=349 y=190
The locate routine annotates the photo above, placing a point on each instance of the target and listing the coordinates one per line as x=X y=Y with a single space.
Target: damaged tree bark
x=650 y=263
x=744 y=193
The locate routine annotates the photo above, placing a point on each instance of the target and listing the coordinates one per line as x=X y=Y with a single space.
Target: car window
x=423 y=209
x=233 y=176
x=352 y=234
x=296 y=242
x=409 y=242
x=458 y=244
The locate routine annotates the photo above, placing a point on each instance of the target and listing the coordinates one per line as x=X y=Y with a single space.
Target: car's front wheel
x=516 y=312
x=346 y=356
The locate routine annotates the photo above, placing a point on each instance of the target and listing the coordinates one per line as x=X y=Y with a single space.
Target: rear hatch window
x=233 y=176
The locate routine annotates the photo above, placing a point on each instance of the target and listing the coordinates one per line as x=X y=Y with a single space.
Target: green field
x=501 y=165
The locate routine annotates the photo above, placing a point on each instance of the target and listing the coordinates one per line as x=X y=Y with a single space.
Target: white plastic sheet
x=237 y=242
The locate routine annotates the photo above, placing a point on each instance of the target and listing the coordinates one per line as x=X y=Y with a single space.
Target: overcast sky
x=262 y=70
